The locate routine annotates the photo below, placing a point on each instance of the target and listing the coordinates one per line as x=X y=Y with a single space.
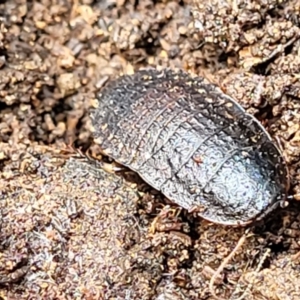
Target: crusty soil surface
x=72 y=231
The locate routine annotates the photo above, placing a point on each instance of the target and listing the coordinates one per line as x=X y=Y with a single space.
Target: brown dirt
x=71 y=231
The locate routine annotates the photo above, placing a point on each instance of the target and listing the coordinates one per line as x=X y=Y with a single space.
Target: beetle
x=186 y=138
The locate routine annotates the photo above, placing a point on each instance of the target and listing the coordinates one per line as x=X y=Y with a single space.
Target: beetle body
x=192 y=142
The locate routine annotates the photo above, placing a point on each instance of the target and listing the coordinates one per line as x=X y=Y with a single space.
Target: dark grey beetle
x=195 y=144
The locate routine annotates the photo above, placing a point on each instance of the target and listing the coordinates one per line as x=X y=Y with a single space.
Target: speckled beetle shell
x=190 y=141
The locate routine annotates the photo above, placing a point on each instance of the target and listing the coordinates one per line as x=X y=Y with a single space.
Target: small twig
x=258 y=268
x=224 y=263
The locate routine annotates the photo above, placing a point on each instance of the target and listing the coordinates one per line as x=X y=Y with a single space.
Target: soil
x=70 y=230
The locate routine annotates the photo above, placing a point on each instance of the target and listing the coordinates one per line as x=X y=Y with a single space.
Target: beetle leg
x=110 y=167
x=294 y=197
x=161 y=214
x=282 y=204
